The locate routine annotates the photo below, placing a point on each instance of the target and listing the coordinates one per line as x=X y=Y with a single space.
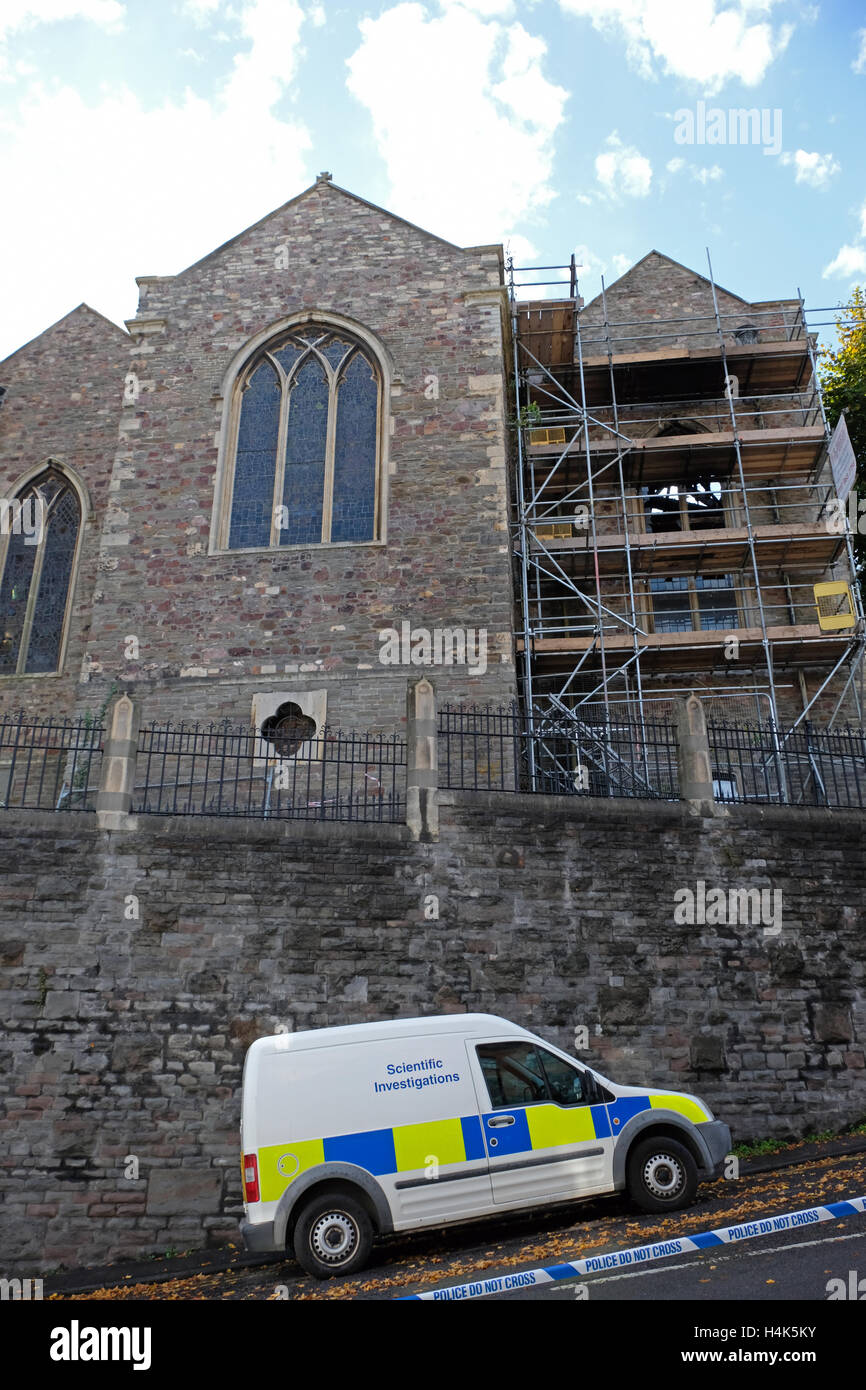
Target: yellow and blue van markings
x=408 y=1148
x=280 y=1164
x=683 y=1105
x=546 y=1127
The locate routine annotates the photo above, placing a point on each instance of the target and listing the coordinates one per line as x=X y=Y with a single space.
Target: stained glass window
x=14 y=594
x=306 y=446
x=43 y=526
x=335 y=351
x=306 y=453
x=256 y=460
x=355 y=453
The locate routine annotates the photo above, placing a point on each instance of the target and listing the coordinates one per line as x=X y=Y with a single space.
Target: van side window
x=568 y=1085
x=513 y=1074
x=520 y=1074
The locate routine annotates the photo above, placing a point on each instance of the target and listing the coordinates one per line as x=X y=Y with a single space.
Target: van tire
x=662 y=1175
x=333 y=1235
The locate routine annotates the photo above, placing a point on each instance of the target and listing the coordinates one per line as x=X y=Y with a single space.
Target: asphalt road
x=780 y=1266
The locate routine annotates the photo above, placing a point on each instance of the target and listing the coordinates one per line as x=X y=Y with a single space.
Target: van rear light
x=251 y=1178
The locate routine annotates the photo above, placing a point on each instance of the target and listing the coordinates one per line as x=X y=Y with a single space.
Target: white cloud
x=200 y=11
x=216 y=166
x=859 y=63
x=591 y=266
x=701 y=173
x=463 y=117
x=589 y=262
x=706 y=41
x=812 y=168
x=520 y=248
x=848 y=264
x=317 y=16
x=622 y=170
x=16 y=16
x=24 y=14
x=488 y=9
x=523 y=253
x=850 y=261
x=260 y=75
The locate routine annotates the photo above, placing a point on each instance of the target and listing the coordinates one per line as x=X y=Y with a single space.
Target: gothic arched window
x=41 y=526
x=305 y=443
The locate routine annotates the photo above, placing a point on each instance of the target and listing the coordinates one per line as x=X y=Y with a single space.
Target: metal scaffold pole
x=523 y=543
x=858 y=642
x=594 y=634
x=592 y=519
x=765 y=640
x=624 y=504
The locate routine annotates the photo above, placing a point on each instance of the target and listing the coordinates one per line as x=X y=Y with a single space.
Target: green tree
x=843 y=379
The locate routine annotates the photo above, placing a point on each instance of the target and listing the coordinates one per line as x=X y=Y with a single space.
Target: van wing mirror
x=592 y=1087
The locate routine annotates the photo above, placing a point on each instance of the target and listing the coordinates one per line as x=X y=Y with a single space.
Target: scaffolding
x=672 y=494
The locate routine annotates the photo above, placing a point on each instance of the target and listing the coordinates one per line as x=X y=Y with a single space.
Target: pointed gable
x=658 y=290
x=63 y=398
x=312 y=253
x=322 y=191
x=656 y=274
x=82 y=324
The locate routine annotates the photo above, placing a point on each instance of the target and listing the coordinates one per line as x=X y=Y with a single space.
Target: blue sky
x=137 y=135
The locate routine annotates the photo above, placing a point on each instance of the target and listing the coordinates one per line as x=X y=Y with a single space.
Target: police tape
x=640 y=1255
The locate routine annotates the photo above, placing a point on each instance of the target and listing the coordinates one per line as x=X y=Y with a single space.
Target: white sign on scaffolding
x=842 y=460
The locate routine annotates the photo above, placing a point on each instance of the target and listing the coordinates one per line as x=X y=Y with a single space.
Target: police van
x=351 y=1132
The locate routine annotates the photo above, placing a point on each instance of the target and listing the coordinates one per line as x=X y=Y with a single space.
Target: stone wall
x=137 y=967
x=676 y=303
x=63 y=401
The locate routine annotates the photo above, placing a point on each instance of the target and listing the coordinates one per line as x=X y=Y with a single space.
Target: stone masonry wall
x=125 y=1035
x=63 y=402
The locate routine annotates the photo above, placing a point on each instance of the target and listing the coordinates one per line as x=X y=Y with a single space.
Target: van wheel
x=333 y=1235
x=662 y=1175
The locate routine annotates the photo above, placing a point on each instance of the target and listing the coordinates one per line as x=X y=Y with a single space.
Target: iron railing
x=803 y=767
x=591 y=750
x=49 y=764
x=561 y=753
x=594 y=751
x=223 y=770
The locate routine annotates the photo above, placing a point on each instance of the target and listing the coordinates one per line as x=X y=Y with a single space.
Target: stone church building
x=299 y=444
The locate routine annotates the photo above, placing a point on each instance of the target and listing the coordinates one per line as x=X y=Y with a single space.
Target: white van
x=347 y=1133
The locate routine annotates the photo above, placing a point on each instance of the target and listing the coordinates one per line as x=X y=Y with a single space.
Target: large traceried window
x=305 y=452
x=42 y=526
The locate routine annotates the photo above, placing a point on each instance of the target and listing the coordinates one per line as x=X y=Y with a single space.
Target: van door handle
x=499 y=1121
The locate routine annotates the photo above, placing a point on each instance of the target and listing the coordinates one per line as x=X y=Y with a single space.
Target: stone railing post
x=693 y=759
x=422 y=762
x=117 y=775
